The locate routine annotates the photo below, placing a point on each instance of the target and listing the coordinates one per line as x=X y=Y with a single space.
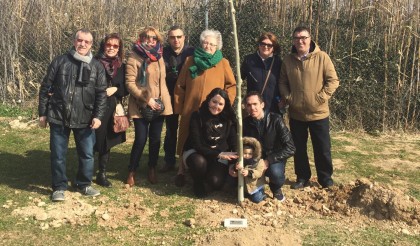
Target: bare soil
x=268 y=223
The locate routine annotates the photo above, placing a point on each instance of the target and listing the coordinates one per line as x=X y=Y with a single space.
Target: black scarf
x=111 y=64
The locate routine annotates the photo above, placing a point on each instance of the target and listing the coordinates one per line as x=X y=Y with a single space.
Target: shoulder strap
x=268 y=75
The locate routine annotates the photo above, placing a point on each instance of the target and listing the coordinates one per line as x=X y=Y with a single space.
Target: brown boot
x=151 y=176
x=130 y=179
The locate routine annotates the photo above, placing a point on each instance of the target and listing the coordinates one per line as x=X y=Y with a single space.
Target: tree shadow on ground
x=31 y=172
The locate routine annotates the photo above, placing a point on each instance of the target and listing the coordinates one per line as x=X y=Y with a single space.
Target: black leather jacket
x=273 y=134
x=72 y=104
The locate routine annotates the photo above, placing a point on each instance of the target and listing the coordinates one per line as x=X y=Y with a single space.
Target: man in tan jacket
x=307 y=81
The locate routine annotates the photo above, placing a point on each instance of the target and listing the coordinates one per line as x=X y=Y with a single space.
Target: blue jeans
x=169 y=145
x=320 y=136
x=275 y=173
x=142 y=130
x=258 y=196
x=59 y=140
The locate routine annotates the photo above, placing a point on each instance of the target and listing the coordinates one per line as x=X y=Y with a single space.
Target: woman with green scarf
x=205 y=70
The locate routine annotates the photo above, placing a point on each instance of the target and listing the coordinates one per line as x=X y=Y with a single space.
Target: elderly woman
x=261 y=70
x=111 y=55
x=145 y=81
x=205 y=70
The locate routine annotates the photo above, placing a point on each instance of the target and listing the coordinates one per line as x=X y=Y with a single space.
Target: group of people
x=194 y=90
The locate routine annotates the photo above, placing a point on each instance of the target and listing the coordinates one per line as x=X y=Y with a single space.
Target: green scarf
x=203 y=61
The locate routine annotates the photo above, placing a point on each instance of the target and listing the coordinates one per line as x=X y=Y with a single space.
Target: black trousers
x=204 y=169
x=169 y=145
x=321 y=142
x=144 y=130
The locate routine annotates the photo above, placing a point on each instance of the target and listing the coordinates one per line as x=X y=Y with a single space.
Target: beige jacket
x=139 y=95
x=308 y=85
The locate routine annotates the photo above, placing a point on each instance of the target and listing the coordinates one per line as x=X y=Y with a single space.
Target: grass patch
x=330 y=234
x=25 y=166
x=14 y=111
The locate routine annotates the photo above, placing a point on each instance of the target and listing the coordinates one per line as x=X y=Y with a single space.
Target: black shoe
x=167 y=168
x=301 y=183
x=199 y=189
x=328 y=184
x=279 y=196
x=102 y=180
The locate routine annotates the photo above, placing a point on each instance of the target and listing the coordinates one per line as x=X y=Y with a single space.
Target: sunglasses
x=82 y=40
x=114 y=46
x=174 y=37
x=153 y=37
x=265 y=45
x=300 y=38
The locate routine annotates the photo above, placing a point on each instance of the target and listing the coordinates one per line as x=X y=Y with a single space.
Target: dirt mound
x=363 y=197
x=385 y=203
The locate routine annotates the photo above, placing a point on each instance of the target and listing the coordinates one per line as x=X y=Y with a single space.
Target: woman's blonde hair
x=143 y=33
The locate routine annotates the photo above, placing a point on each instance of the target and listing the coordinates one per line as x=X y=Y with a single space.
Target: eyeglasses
x=174 y=37
x=153 y=37
x=303 y=38
x=79 y=40
x=114 y=46
x=265 y=45
x=209 y=44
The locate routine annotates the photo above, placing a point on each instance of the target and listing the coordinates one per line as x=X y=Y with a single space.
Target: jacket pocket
x=319 y=98
x=88 y=97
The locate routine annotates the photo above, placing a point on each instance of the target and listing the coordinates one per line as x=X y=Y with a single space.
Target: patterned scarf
x=111 y=64
x=203 y=61
x=146 y=51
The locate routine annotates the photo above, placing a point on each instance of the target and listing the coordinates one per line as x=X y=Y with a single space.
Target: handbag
x=147 y=112
x=121 y=122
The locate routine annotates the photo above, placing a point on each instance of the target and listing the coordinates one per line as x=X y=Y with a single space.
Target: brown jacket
x=308 y=85
x=190 y=93
x=139 y=95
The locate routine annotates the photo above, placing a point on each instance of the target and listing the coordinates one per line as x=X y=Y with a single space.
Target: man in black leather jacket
x=72 y=97
x=275 y=139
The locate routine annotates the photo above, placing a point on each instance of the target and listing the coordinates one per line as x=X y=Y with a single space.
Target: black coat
x=273 y=134
x=173 y=65
x=209 y=135
x=106 y=138
x=73 y=104
x=254 y=70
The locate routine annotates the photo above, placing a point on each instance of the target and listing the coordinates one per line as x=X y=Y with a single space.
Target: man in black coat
x=72 y=97
x=174 y=56
x=275 y=138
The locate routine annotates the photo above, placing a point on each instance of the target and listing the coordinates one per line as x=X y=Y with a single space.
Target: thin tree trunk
x=238 y=104
x=384 y=102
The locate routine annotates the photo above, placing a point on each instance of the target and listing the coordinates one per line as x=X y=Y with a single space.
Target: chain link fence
x=375 y=45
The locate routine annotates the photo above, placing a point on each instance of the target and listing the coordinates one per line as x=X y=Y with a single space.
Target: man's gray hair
x=214 y=34
x=84 y=30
